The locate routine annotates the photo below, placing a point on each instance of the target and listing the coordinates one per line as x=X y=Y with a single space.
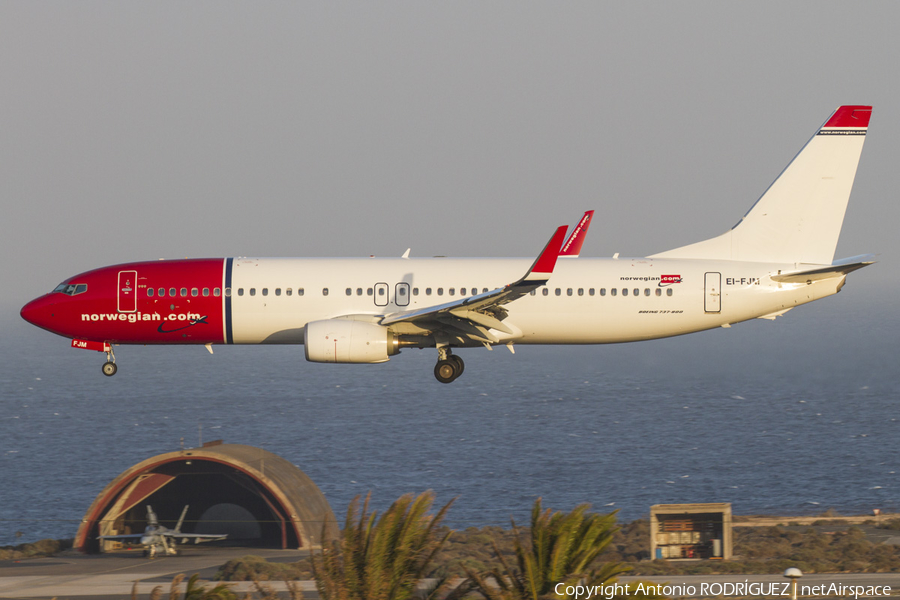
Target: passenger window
x=415 y=291
x=161 y=292
x=359 y=291
x=149 y=292
x=624 y=291
x=401 y=291
x=427 y=291
x=206 y=291
x=184 y=292
x=658 y=292
x=324 y=291
x=484 y=290
x=546 y=291
x=647 y=292
x=265 y=291
x=669 y=292
x=349 y=291
x=558 y=292
x=381 y=291
x=172 y=292
x=440 y=291
x=581 y=291
x=637 y=292
x=533 y=292
x=252 y=291
x=462 y=291
x=613 y=292
x=602 y=291
x=288 y=292
x=277 y=291
x=591 y=292
x=569 y=292
x=217 y=292
x=300 y=291
x=227 y=292
x=195 y=292
x=452 y=291
x=370 y=292
x=240 y=291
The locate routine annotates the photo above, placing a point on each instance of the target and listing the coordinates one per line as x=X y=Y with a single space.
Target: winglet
x=572 y=247
x=546 y=261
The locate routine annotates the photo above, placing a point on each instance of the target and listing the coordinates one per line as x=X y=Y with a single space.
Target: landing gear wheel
x=109 y=369
x=446 y=371
x=460 y=365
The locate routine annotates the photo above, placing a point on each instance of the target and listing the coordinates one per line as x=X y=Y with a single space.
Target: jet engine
x=347 y=341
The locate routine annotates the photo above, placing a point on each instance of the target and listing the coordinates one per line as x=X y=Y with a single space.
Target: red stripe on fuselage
x=99 y=314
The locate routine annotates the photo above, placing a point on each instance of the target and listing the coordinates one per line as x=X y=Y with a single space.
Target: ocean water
x=791 y=417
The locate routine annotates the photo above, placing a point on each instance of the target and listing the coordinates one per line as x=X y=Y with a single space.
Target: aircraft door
x=401 y=294
x=127 y=291
x=712 y=297
x=382 y=294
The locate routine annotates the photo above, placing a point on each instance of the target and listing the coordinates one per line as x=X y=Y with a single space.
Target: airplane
x=158 y=538
x=344 y=310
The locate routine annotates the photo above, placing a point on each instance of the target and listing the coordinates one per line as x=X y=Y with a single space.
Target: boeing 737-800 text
x=780 y=255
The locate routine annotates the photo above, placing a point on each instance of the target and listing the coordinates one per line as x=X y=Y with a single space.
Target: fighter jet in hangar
x=778 y=256
x=157 y=538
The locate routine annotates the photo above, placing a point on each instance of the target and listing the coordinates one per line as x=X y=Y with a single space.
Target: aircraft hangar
x=256 y=497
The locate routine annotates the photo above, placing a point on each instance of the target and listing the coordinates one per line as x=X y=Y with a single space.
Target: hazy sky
x=133 y=131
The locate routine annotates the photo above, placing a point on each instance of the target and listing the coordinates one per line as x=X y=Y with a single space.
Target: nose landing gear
x=449 y=366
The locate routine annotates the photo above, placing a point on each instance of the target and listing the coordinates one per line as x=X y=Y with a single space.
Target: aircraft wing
x=198 y=536
x=474 y=316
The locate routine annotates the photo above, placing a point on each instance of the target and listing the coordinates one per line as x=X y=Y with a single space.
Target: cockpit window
x=70 y=289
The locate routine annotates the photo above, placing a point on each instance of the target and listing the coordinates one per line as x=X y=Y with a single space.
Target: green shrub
x=256 y=568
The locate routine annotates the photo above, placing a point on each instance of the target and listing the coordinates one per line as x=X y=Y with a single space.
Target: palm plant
x=381 y=559
x=562 y=550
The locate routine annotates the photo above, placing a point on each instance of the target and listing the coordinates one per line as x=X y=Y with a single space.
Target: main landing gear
x=109 y=367
x=449 y=366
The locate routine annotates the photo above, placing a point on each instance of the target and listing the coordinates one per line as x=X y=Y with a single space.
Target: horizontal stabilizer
x=838 y=269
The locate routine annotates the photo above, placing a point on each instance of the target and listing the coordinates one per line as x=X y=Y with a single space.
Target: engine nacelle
x=346 y=341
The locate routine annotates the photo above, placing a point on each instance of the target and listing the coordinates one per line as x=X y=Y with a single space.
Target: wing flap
x=480 y=318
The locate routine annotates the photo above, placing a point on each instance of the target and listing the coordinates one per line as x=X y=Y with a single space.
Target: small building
x=254 y=496
x=690 y=531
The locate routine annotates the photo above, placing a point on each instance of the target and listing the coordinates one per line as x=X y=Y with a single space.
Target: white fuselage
x=586 y=301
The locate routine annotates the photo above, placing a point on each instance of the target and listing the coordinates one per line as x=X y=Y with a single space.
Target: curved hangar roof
x=254 y=496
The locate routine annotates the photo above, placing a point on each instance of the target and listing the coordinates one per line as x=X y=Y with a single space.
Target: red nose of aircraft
x=40 y=312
